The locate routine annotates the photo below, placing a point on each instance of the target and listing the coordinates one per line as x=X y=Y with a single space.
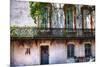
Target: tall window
x=44 y=22
x=69 y=18
x=70 y=51
x=87 y=21
x=88 y=50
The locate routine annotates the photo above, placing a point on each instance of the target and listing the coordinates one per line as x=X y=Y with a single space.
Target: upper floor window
x=86 y=17
x=44 y=21
x=69 y=18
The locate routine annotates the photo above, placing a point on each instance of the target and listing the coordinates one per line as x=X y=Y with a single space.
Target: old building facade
x=66 y=35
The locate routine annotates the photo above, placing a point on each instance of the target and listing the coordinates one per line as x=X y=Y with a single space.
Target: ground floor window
x=70 y=50
x=88 y=50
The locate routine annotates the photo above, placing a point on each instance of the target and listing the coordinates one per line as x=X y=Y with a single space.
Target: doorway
x=44 y=55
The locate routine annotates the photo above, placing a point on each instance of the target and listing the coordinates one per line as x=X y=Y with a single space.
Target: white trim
x=74 y=43
x=87 y=43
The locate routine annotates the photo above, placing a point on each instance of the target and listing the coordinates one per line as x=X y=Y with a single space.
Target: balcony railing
x=51 y=32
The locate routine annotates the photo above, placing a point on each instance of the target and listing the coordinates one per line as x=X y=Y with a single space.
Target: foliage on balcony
x=37 y=10
x=22 y=31
x=13 y=31
x=50 y=32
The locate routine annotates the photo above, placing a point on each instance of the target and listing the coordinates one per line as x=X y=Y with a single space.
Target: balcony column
x=74 y=19
x=50 y=12
x=82 y=20
x=50 y=20
x=64 y=8
x=65 y=17
x=91 y=22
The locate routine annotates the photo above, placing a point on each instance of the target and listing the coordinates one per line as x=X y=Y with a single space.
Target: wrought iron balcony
x=51 y=32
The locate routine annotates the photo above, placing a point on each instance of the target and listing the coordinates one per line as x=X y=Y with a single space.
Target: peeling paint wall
x=19 y=57
x=57 y=52
x=20 y=14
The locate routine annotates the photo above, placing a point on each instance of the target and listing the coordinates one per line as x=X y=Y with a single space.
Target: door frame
x=40 y=53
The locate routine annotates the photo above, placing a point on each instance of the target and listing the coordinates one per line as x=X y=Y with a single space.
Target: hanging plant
x=37 y=11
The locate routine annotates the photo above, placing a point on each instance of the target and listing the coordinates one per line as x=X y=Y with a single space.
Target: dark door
x=88 y=50
x=44 y=55
x=70 y=51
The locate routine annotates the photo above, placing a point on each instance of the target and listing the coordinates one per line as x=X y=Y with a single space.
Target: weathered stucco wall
x=19 y=57
x=20 y=14
x=57 y=52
